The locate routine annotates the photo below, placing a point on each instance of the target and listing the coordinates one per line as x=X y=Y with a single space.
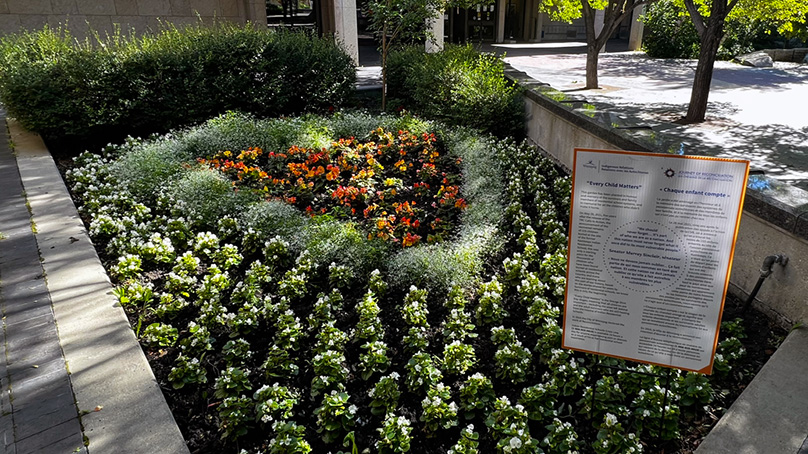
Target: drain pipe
x=765 y=271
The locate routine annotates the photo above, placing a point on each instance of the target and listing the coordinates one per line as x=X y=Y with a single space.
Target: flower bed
x=278 y=328
x=400 y=183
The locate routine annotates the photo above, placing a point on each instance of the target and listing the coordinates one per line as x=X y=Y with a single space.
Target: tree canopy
x=785 y=14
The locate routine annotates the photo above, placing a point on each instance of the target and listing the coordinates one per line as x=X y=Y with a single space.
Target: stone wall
x=142 y=15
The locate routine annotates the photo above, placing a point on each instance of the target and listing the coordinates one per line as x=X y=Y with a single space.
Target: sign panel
x=650 y=249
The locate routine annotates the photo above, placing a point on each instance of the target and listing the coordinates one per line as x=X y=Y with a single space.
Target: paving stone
x=7 y=433
x=22 y=372
x=21 y=296
x=32 y=353
x=45 y=392
x=30 y=323
x=20 y=338
x=16 y=314
x=63 y=438
x=23 y=273
x=37 y=419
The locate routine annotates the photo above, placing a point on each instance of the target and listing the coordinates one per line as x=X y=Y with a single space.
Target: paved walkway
x=39 y=411
x=754 y=113
x=73 y=378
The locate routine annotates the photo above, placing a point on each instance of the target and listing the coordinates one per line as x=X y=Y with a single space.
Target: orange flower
x=410 y=240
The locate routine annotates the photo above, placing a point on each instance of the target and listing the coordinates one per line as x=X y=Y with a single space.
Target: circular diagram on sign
x=645 y=256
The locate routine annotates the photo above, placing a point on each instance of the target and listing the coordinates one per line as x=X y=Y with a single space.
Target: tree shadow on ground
x=778 y=150
x=636 y=65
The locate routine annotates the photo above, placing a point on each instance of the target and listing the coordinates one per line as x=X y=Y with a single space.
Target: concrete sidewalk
x=73 y=376
x=771 y=415
x=39 y=410
x=754 y=113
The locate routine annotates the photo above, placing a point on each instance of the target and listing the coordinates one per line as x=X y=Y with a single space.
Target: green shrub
x=670 y=32
x=459 y=86
x=482 y=176
x=271 y=218
x=128 y=85
x=207 y=196
x=342 y=243
x=744 y=35
x=146 y=167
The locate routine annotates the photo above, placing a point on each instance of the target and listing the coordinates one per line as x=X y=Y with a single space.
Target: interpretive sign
x=650 y=249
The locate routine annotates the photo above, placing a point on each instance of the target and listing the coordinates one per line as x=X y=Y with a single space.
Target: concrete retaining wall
x=792 y=55
x=80 y=16
x=775 y=217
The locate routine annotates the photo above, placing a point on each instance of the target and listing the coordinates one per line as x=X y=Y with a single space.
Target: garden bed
x=357 y=282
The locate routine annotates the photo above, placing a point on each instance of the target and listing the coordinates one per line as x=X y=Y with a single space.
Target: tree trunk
x=710 y=41
x=384 y=67
x=592 y=54
x=592 y=47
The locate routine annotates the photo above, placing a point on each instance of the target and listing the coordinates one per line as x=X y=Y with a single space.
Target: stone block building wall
x=80 y=16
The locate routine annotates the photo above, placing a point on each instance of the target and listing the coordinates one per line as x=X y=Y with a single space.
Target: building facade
x=502 y=21
x=103 y=16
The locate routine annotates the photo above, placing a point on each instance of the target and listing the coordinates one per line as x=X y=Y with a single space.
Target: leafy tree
x=670 y=33
x=614 y=12
x=392 y=20
x=710 y=16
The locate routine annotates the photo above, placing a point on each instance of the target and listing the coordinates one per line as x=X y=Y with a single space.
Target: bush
x=459 y=86
x=343 y=244
x=124 y=84
x=671 y=34
x=273 y=217
x=145 y=167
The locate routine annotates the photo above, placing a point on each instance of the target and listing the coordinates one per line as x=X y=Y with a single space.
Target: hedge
x=118 y=85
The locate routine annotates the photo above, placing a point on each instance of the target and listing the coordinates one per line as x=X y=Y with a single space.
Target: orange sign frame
x=638 y=170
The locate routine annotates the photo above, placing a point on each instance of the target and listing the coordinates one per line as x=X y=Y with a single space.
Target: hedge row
x=122 y=85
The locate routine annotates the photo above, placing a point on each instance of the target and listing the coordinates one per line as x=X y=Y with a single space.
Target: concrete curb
x=124 y=409
x=771 y=415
